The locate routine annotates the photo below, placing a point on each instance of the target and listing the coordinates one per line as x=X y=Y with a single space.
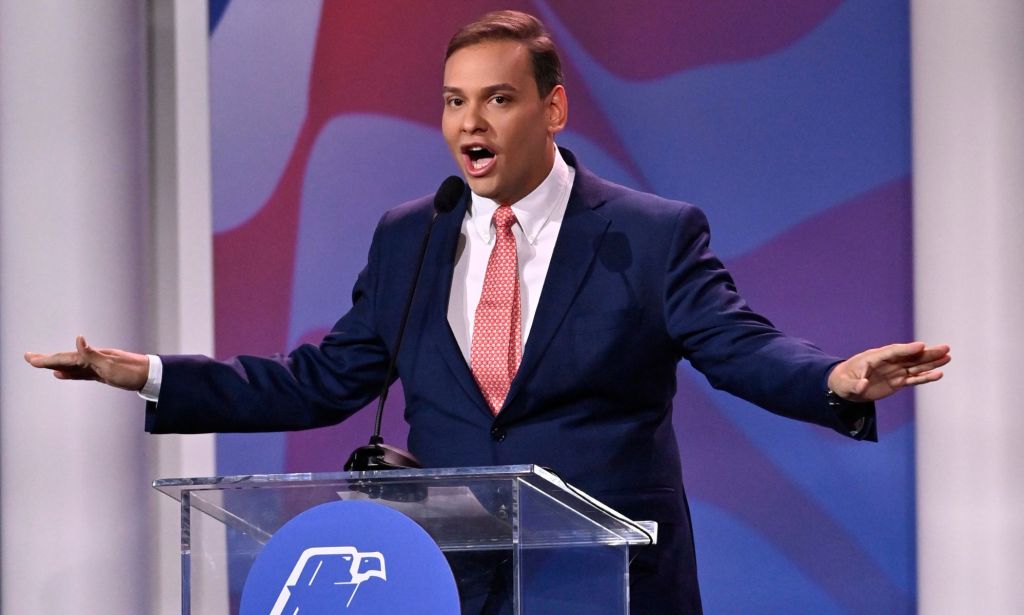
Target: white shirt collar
x=532 y=211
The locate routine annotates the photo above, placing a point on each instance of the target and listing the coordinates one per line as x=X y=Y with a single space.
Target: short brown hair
x=519 y=27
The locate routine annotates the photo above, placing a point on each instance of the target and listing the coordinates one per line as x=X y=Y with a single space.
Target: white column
x=73 y=222
x=968 y=102
x=183 y=273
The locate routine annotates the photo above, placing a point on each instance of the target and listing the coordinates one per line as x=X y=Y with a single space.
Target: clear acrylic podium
x=545 y=546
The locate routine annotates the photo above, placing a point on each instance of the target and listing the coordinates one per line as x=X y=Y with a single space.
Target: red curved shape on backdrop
x=365 y=61
x=711 y=32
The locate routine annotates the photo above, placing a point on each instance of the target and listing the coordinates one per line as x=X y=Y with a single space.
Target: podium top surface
x=482 y=500
x=175 y=486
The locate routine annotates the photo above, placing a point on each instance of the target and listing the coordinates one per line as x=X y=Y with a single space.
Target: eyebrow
x=491 y=89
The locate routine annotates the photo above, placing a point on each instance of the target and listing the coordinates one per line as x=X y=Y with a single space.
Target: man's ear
x=558 y=109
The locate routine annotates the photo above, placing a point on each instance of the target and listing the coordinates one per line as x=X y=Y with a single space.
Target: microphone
x=447 y=197
x=376 y=455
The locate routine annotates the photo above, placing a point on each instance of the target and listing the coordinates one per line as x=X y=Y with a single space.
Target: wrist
x=852 y=415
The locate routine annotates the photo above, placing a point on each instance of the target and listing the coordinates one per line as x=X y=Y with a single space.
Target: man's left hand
x=880 y=372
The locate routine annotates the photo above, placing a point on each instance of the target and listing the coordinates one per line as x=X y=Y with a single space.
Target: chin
x=481 y=187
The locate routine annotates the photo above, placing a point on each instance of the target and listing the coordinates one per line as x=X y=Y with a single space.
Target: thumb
x=85 y=352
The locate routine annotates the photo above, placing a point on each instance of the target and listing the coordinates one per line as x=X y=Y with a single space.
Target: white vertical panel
x=183 y=260
x=968 y=97
x=73 y=222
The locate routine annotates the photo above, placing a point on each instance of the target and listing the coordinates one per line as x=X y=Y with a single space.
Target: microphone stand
x=376 y=455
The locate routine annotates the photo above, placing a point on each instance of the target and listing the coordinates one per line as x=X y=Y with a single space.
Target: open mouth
x=478 y=158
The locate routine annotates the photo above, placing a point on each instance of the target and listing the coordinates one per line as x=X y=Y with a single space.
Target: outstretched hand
x=880 y=372
x=118 y=368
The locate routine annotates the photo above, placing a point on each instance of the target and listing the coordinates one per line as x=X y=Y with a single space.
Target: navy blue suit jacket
x=632 y=288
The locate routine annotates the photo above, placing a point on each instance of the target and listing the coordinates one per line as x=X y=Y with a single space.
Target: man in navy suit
x=615 y=287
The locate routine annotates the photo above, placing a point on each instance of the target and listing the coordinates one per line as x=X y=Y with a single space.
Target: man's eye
x=501 y=100
x=454 y=102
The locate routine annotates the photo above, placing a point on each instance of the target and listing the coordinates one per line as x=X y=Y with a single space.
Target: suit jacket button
x=497 y=434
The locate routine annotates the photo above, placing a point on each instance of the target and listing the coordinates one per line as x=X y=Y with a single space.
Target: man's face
x=499 y=129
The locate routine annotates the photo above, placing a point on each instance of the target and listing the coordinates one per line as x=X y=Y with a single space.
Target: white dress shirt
x=538 y=220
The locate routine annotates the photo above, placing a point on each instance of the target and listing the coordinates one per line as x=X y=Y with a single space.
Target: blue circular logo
x=346 y=558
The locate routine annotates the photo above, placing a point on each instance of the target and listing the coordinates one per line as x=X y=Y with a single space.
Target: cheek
x=449 y=126
x=526 y=130
x=451 y=140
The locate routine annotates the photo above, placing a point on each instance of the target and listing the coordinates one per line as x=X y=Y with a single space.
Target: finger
x=920 y=368
x=83 y=347
x=898 y=352
x=935 y=352
x=903 y=356
x=929 y=353
x=52 y=361
x=924 y=378
x=74 y=374
x=90 y=357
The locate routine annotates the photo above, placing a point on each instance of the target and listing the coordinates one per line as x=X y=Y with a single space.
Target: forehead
x=488 y=63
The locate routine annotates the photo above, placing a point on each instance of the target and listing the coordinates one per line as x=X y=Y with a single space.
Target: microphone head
x=448 y=195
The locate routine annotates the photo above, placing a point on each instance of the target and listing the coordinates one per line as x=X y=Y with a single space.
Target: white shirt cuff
x=151 y=392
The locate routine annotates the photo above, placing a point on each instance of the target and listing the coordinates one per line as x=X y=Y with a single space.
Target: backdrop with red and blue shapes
x=788 y=122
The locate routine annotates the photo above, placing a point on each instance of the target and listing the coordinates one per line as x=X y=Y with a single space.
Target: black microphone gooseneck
x=376 y=455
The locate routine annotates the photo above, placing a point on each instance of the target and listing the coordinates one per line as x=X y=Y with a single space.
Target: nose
x=473 y=120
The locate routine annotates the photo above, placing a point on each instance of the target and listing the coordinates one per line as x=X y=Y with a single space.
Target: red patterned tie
x=497 y=327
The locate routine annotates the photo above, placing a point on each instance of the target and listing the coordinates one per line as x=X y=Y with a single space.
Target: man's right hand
x=124 y=370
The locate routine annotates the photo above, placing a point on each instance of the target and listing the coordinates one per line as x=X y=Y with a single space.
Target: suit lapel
x=578 y=243
x=446 y=238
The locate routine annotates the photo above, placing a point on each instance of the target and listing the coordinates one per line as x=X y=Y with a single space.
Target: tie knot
x=504 y=217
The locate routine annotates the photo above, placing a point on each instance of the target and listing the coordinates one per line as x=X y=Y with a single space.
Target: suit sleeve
x=313 y=386
x=740 y=351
